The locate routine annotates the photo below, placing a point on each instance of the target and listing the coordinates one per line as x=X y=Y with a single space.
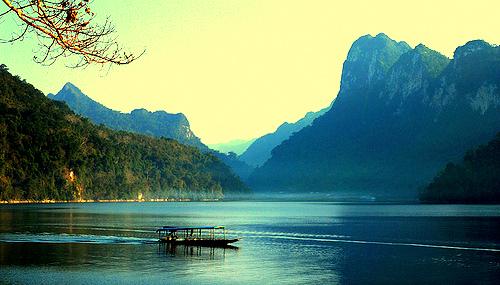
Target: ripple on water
x=71 y=238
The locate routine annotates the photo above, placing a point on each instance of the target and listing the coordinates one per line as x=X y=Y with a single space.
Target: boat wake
x=346 y=239
x=287 y=234
x=72 y=238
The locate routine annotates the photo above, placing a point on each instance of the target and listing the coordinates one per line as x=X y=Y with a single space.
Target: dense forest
x=475 y=180
x=49 y=152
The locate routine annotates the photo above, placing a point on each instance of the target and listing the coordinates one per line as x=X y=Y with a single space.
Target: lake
x=282 y=242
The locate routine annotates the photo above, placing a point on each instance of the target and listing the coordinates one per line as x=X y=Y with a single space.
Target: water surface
x=283 y=242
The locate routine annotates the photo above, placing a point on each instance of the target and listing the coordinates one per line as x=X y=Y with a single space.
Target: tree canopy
x=475 y=180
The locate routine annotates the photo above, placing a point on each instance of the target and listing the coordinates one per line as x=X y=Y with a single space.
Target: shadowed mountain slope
x=400 y=115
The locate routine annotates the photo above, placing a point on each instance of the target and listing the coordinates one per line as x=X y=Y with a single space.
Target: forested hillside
x=157 y=124
x=475 y=180
x=48 y=152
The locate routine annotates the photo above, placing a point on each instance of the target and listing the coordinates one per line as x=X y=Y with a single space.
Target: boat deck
x=214 y=236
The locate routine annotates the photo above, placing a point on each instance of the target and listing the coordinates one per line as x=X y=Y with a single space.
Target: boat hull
x=200 y=242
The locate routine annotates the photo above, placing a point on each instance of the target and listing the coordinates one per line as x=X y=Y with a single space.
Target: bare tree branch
x=66 y=28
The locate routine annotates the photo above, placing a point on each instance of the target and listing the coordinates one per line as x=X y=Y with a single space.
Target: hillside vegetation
x=475 y=180
x=48 y=152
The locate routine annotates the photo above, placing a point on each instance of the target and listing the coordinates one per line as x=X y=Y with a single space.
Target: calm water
x=283 y=242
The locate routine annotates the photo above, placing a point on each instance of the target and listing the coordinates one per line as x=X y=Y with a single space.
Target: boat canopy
x=175 y=229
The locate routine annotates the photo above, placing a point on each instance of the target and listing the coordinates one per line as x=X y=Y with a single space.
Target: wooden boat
x=213 y=236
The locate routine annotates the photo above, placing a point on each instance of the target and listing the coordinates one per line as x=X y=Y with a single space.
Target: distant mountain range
x=401 y=114
x=255 y=152
x=236 y=146
x=158 y=124
x=260 y=150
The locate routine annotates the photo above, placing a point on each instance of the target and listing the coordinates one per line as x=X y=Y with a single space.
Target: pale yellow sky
x=239 y=68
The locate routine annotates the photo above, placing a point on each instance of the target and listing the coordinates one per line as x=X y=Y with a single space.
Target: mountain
x=400 y=115
x=475 y=180
x=236 y=146
x=260 y=150
x=49 y=152
x=239 y=167
x=158 y=124
x=141 y=121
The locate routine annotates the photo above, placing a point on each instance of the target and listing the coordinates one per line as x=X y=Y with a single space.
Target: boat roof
x=174 y=229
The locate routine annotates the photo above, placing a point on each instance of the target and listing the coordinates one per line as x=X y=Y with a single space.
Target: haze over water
x=283 y=242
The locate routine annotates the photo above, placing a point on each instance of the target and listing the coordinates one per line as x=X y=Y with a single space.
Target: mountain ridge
x=158 y=123
x=386 y=137
x=260 y=150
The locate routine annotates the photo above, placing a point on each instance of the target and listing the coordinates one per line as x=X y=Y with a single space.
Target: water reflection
x=211 y=253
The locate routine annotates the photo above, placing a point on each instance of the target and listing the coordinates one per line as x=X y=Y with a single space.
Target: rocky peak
x=140 y=112
x=470 y=48
x=412 y=73
x=160 y=116
x=434 y=61
x=75 y=98
x=69 y=90
x=180 y=117
x=472 y=78
x=369 y=59
x=70 y=86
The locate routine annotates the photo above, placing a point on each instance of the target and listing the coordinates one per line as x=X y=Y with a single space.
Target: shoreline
x=15 y=202
x=401 y=202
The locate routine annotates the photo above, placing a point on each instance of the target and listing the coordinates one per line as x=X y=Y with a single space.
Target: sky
x=240 y=68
